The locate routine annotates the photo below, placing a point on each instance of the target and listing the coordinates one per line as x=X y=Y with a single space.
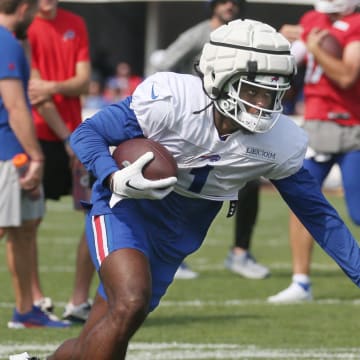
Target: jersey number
x=200 y=177
x=313 y=71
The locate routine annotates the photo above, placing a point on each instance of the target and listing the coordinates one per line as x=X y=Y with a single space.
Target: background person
x=94 y=100
x=122 y=84
x=181 y=55
x=60 y=74
x=332 y=120
x=21 y=200
x=239 y=259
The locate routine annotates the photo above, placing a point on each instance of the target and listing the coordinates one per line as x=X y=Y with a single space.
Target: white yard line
x=247 y=302
x=48 y=269
x=185 y=351
x=199 y=265
x=226 y=303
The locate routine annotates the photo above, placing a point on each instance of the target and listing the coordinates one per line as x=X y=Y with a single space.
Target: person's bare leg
x=18 y=248
x=2 y=232
x=34 y=268
x=301 y=243
x=83 y=273
x=126 y=277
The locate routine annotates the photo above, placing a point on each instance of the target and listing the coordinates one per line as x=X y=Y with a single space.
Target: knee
x=29 y=227
x=132 y=310
x=126 y=317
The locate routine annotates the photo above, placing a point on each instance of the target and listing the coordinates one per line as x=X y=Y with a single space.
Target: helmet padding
x=245 y=49
x=233 y=45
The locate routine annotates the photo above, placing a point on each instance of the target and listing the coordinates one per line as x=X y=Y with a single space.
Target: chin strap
x=201 y=110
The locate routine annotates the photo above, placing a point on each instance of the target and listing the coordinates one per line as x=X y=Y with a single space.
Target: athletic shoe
x=185 y=273
x=295 y=293
x=45 y=304
x=77 y=313
x=35 y=318
x=23 y=356
x=246 y=266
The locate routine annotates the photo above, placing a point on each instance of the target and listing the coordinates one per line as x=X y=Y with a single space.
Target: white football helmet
x=342 y=7
x=247 y=52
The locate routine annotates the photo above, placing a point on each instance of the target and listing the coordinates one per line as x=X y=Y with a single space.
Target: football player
x=224 y=128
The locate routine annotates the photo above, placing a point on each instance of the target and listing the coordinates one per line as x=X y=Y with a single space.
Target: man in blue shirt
x=21 y=200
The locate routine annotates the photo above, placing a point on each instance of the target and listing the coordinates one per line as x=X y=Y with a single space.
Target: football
x=331 y=45
x=163 y=164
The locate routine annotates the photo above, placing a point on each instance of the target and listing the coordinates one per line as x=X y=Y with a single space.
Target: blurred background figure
x=60 y=75
x=181 y=55
x=95 y=99
x=21 y=198
x=239 y=259
x=122 y=84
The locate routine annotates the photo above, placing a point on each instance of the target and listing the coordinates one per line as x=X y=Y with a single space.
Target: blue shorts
x=349 y=164
x=166 y=231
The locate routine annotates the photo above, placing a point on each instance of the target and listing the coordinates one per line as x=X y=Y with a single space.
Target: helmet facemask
x=239 y=93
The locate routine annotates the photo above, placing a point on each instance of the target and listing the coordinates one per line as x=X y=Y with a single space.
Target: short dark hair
x=9 y=6
x=213 y=3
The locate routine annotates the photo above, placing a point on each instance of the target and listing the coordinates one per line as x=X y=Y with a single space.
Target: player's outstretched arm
x=304 y=197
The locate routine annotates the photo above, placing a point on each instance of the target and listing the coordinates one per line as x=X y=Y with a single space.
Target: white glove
x=129 y=182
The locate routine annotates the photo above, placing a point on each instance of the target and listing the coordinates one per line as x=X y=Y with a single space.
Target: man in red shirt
x=60 y=74
x=332 y=119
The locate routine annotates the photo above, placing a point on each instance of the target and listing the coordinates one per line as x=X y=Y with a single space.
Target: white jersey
x=209 y=167
x=164 y=108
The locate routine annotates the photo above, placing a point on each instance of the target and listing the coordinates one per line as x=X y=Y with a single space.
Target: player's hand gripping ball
x=163 y=164
x=146 y=171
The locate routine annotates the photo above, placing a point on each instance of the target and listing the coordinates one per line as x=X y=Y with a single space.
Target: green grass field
x=217 y=316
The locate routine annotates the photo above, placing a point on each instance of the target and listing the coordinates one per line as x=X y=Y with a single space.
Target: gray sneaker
x=246 y=266
x=77 y=313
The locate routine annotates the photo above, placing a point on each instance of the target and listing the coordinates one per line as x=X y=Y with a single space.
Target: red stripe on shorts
x=99 y=238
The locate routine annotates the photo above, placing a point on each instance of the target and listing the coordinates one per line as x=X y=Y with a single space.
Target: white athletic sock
x=301 y=278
